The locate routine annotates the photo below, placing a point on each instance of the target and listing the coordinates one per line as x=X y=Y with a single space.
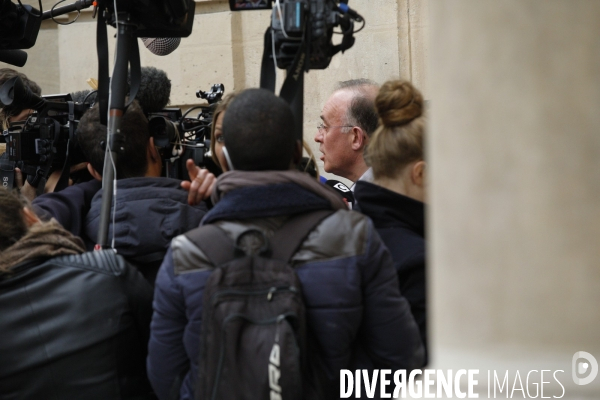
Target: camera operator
x=10 y=114
x=150 y=210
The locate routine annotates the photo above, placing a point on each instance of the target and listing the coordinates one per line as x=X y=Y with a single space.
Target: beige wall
x=515 y=211
x=226 y=47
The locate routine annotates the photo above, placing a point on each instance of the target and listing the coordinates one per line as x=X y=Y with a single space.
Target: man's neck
x=358 y=171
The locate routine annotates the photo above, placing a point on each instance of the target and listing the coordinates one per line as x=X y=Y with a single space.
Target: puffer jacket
x=69 y=206
x=74 y=327
x=400 y=221
x=149 y=213
x=350 y=289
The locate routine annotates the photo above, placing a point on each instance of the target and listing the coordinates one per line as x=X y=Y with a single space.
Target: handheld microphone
x=343 y=190
x=161 y=46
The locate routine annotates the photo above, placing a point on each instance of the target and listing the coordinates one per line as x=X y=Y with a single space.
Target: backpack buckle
x=252 y=242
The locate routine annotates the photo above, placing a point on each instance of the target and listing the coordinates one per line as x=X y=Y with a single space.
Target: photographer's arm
x=30 y=192
x=69 y=206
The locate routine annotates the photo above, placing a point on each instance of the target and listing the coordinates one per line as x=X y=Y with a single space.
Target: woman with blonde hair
x=216 y=133
x=395 y=200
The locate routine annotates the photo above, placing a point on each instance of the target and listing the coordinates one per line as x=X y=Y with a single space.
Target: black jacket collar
x=389 y=209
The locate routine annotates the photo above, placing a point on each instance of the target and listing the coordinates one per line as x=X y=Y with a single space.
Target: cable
x=89 y=94
x=273 y=49
x=190 y=110
x=112 y=161
x=364 y=22
x=63 y=23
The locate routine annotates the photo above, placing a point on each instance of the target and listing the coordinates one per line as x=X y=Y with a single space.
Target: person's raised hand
x=201 y=183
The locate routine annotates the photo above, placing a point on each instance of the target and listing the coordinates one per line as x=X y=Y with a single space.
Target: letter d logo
x=580 y=367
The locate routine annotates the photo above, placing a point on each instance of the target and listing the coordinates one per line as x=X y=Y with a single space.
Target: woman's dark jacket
x=74 y=327
x=400 y=221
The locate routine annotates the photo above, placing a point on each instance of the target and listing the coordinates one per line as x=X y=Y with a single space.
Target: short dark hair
x=362 y=110
x=258 y=129
x=132 y=162
x=9 y=111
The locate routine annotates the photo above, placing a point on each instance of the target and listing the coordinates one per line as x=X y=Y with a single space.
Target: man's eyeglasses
x=323 y=129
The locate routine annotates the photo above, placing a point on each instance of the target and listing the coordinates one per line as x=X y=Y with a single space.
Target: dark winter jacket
x=69 y=206
x=349 y=285
x=74 y=327
x=400 y=222
x=150 y=212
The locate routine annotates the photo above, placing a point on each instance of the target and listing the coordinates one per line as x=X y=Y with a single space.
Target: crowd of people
x=182 y=305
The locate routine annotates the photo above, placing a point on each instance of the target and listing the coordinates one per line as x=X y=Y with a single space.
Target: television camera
x=299 y=39
x=45 y=141
x=180 y=138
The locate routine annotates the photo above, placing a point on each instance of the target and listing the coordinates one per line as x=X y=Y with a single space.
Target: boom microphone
x=155 y=89
x=161 y=46
x=343 y=190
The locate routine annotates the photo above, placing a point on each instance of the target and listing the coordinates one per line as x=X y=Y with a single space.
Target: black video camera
x=46 y=141
x=305 y=22
x=180 y=138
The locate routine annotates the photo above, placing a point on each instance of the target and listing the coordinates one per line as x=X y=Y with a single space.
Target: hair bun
x=398 y=103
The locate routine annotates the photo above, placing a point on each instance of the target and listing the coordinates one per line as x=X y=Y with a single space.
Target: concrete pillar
x=514 y=220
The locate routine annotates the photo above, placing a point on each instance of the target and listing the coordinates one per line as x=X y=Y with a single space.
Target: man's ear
x=29 y=217
x=93 y=172
x=297 y=156
x=418 y=173
x=359 y=138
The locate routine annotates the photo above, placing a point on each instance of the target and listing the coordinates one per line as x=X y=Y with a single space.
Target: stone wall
x=514 y=217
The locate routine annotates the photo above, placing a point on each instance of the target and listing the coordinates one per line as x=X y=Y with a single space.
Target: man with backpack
x=282 y=286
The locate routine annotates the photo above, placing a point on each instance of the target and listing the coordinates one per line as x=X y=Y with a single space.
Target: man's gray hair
x=361 y=112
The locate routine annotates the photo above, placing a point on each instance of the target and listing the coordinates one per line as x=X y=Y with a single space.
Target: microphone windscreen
x=161 y=46
x=341 y=189
x=13 y=57
x=155 y=89
x=80 y=96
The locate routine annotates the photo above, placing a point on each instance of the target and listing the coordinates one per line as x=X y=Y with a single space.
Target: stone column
x=514 y=222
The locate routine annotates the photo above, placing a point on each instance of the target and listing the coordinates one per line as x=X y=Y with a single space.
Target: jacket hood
x=149 y=213
x=246 y=195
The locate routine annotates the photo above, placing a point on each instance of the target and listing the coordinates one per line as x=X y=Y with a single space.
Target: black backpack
x=255 y=343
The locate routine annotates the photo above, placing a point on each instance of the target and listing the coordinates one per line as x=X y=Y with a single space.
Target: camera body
x=46 y=141
x=310 y=23
x=291 y=20
x=36 y=142
x=180 y=138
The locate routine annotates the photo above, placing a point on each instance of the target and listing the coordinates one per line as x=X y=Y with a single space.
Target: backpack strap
x=220 y=248
x=291 y=234
x=214 y=243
